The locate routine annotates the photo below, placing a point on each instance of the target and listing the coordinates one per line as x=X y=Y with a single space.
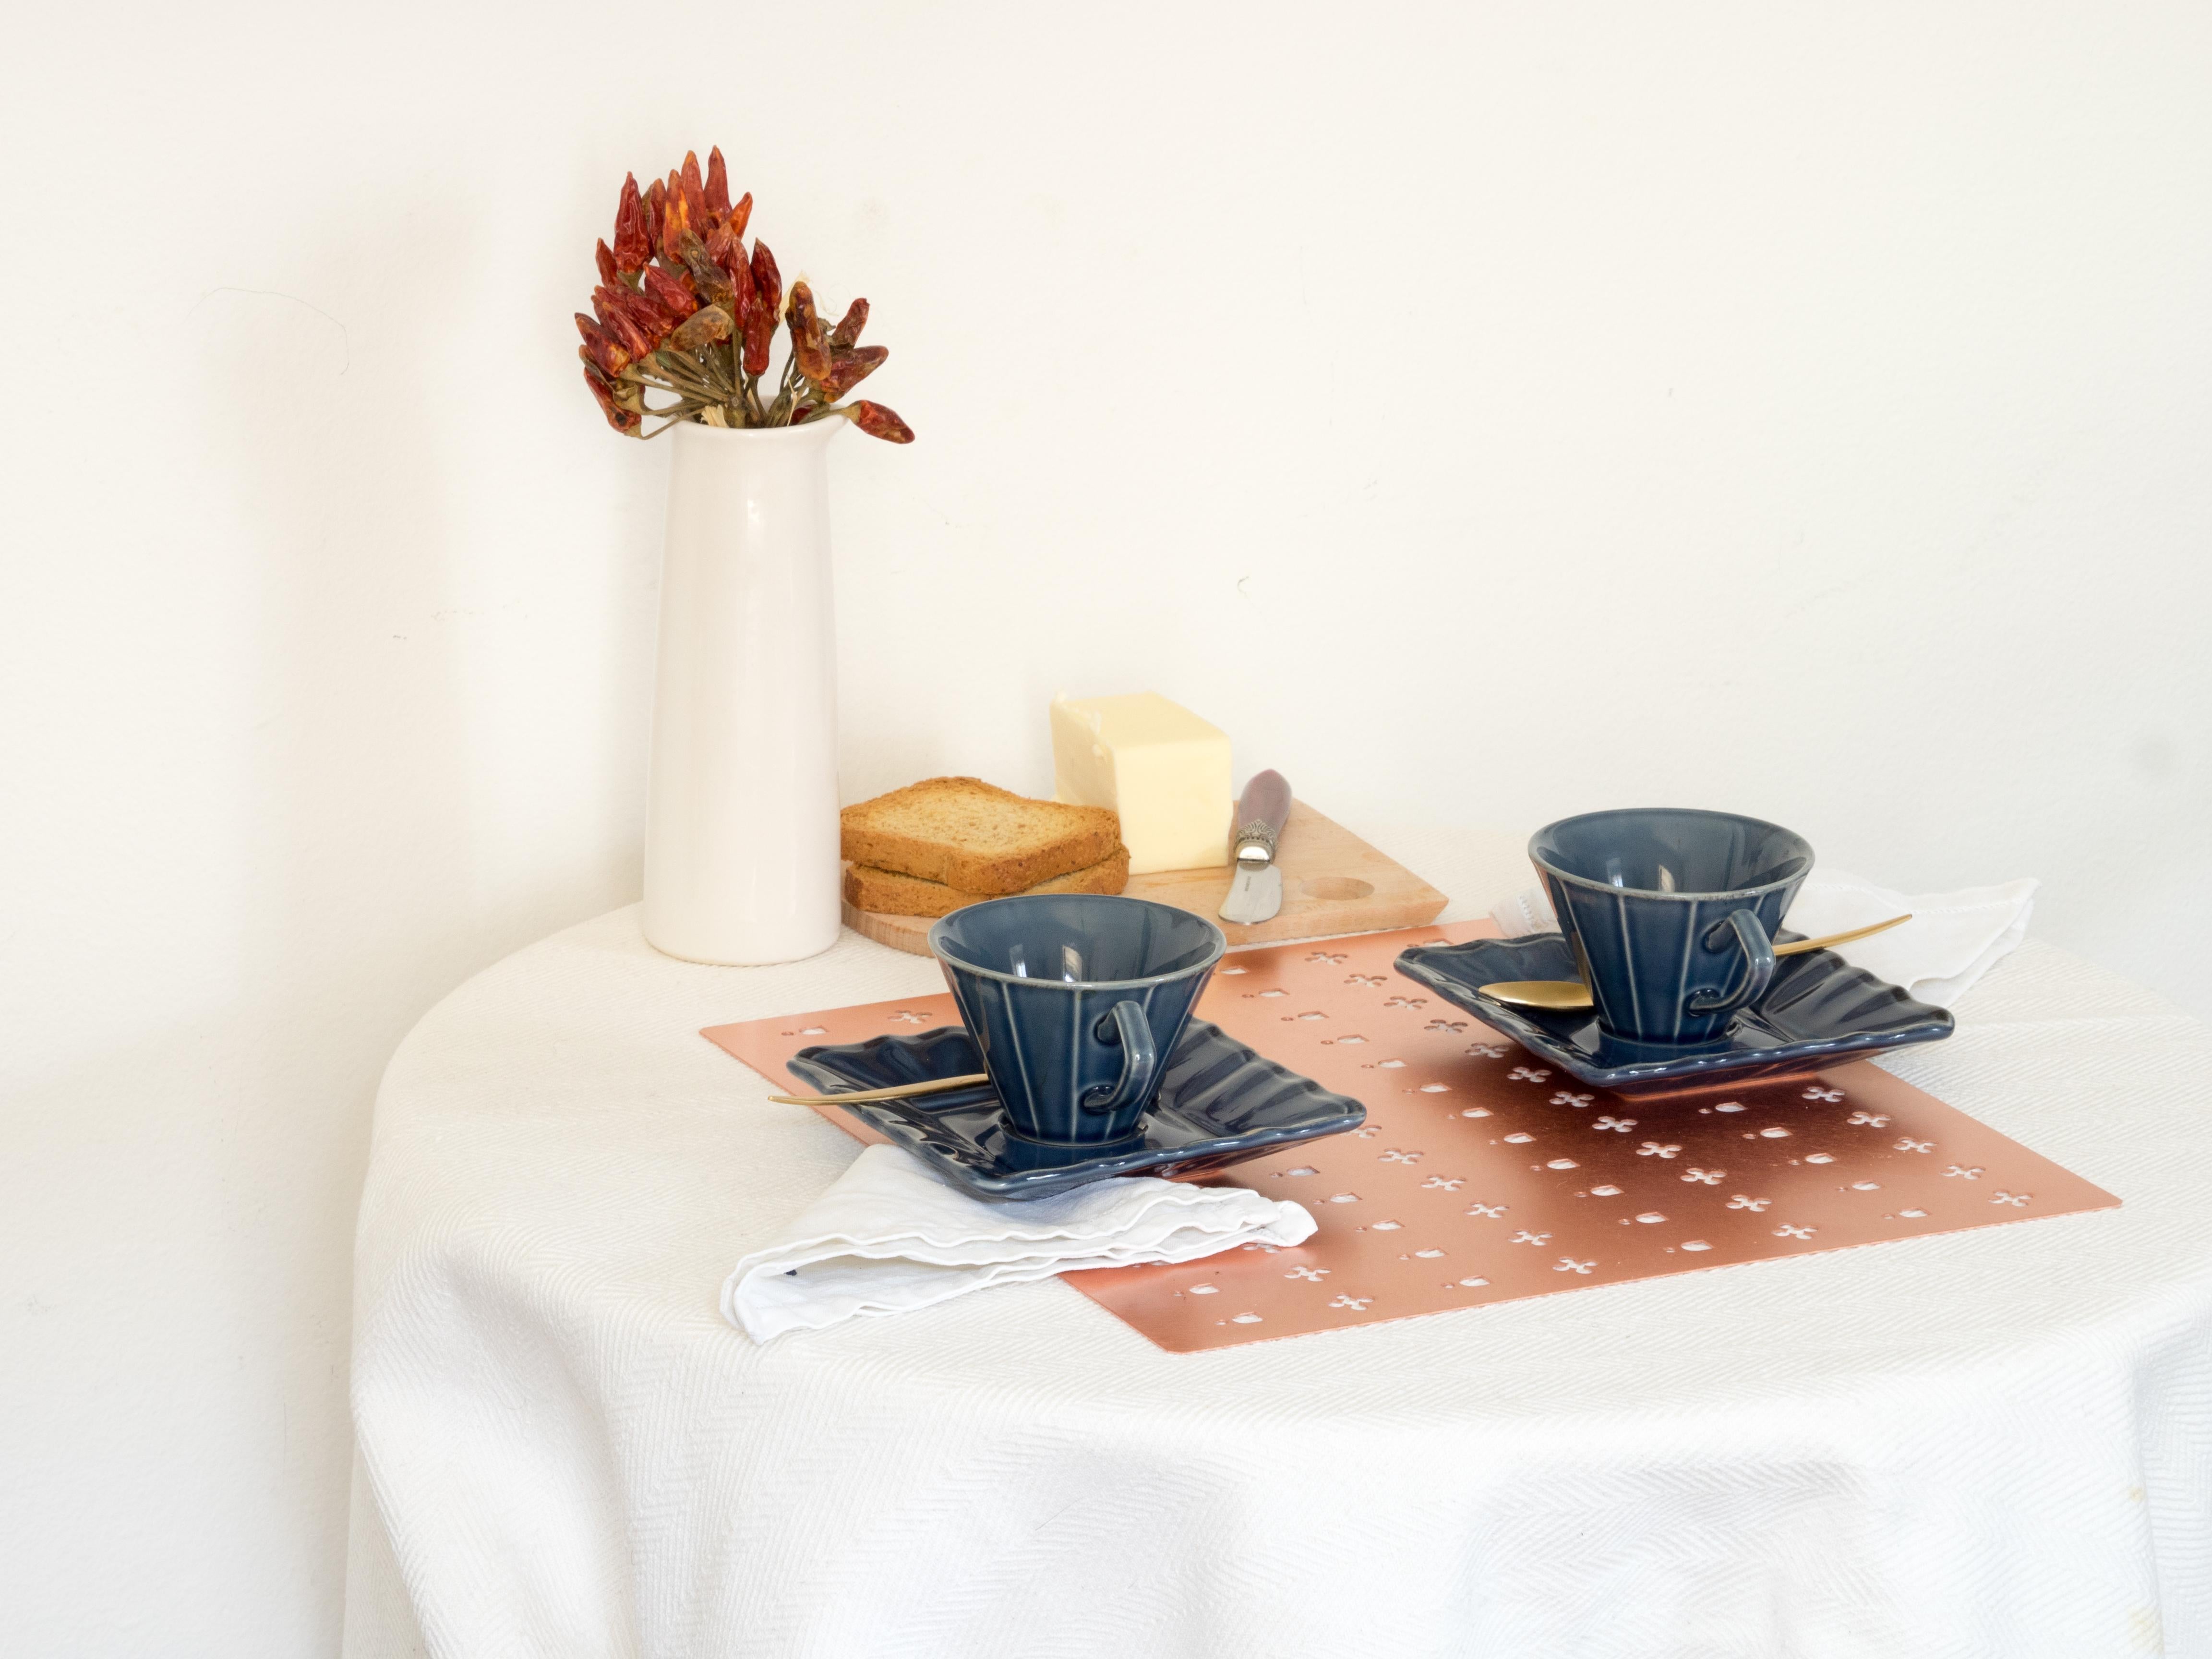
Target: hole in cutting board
x=1337 y=887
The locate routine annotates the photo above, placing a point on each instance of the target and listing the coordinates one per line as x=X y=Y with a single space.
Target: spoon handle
x=1798 y=947
x=1568 y=995
x=932 y=1086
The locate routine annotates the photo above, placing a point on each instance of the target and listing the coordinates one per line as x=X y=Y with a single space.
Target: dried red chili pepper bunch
x=683 y=310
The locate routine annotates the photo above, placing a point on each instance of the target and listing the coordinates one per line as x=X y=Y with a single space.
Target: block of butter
x=1161 y=767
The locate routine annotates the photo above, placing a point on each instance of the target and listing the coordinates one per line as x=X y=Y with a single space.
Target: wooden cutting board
x=1333 y=883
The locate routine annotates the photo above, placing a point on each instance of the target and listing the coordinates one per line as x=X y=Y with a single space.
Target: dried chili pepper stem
x=704 y=368
x=682 y=402
x=690 y=380
x=654 y=365
x=682 y=409
x=649 y=383
x=786 y=394
x=748 y=385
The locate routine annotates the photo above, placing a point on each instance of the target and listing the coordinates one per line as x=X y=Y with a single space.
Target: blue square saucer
x=1817 y=1011
x=1219 y=1103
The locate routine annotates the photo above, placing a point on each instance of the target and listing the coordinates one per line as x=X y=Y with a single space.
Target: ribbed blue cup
x=1075 y=1001
x=1671 y=912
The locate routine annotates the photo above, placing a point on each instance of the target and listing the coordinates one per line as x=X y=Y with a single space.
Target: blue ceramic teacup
x=1076 y=1001
x=1671 y=912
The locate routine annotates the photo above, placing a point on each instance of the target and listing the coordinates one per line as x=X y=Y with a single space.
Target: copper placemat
x=1483 y=1175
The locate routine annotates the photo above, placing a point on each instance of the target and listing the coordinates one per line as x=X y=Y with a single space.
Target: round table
x=1996 y=1443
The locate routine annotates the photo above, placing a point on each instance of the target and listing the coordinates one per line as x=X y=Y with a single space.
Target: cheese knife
x=1256 y=892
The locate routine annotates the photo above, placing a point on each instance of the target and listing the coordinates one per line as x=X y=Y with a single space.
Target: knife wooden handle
x=1260 y=816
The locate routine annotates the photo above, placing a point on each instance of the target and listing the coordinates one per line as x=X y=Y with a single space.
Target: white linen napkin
x=1952 y=940
x=889 y=1236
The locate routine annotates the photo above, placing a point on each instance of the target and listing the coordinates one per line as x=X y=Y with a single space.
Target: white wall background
x=1487 y=412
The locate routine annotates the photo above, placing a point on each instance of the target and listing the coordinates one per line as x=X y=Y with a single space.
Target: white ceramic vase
x=741 y=821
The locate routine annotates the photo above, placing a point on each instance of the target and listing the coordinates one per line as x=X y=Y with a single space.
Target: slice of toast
x=967 y=834
x=890 y=894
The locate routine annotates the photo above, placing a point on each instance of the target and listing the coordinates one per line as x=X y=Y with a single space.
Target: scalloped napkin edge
x=888 y=1237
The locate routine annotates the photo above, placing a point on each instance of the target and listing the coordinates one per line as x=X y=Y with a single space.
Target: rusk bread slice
x=890 y=894
x=967 y=834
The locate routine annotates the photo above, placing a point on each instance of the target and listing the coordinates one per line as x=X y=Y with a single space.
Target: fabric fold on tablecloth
x=888 y=1237
x=1987 y=1443
x=1952 y=940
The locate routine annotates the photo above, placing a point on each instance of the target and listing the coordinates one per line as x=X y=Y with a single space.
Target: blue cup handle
x=1140 y=1057
x=1759 y=959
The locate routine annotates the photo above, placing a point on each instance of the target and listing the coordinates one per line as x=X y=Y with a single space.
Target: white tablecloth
x=1996 y=1444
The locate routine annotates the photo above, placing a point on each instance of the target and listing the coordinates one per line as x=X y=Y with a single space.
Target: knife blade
x=1256 y=892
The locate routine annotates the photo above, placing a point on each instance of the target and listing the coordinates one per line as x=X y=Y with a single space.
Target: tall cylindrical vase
x=741 y=823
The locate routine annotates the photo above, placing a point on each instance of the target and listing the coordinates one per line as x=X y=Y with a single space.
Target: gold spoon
x=1565 y=995
x=932 y=1086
